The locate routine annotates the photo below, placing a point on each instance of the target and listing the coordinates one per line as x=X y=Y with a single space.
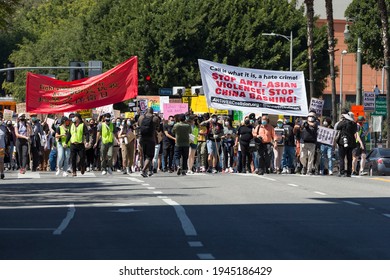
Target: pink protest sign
x=171 y=109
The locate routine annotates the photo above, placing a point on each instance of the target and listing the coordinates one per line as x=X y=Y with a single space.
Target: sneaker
x=363 y=173
x=284 y=171
x=184 y=173
x=304 y=171
x=354 y=173
x=74 y=174
x=231 y=170
x=330 y=173
x=88 y=170
x=227 y=170
x=144 y=174
x=289 y=171
x=214 y=171
x=150 y=173
x=190 y=172
x=104 y=172
x=58 y=172
x=2 y=176
x=179 y=171
x=65 y=174
x=109 y=171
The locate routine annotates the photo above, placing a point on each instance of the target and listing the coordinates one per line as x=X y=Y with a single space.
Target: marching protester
x=91 y=155
x=106 y=131
x=360 y=150
x=266 y=134
x=193 y=122
x=327 y=151
x=78 y=136
x=309 y=130
x=279 y=146
x=37 y=143
x=215 y=132
x=168 y=144
x=228 y=141
x=10 y=163
x=148 y=124
x=127 y=139
x=244 y=136
x=347 y=142
x=182 y=131
x=3 y=145
x=202 y=143
x=22 y=132
x=288 y=157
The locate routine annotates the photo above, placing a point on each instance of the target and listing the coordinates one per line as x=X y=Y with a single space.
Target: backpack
x=147 y=127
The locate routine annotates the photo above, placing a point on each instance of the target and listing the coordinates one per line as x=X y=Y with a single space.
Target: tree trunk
x=331 y=44
x=386 y=55
x=310 y=43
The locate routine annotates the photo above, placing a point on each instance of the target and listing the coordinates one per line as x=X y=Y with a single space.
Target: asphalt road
x=201 y=216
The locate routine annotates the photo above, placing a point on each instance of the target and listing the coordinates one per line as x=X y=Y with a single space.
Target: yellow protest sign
x=129 y=115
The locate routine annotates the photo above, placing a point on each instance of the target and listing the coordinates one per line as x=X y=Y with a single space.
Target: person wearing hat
x=22 y=132
x=63 y=147
x=78 y=136
x=308 y=143
x=346 y=143
x=360 y=150
x=215 y=132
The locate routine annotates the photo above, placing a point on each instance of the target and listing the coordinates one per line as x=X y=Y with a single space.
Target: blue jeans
x=53 y=159
x=326 y=152
x=63 y=155
x=288 y=157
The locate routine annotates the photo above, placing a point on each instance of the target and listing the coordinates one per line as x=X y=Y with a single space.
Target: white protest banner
x=317 y=105
x=326 y=135
x=260 y=91
x=7 y=115
x=163 y=100
x=106 y=109
x=376 y=123
x=369 y=101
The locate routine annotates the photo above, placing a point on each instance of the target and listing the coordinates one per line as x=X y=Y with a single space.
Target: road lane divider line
x=158 y=192
x=195 y=244
x=380 y=179
x=25 y=229
x=206 y=257
x=320 y=193
x=386 y=215
x=145 y=184
x=135 y=180
x=351 y=202
x=151 y=188
x=66 y=220
x=293 y=185
x=186 y=224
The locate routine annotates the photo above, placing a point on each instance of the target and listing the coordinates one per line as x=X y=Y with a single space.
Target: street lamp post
x=288 y=38
x=344 y=52
x=347 y=35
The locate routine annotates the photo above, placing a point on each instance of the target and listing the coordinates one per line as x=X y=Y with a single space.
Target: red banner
x=48 y=95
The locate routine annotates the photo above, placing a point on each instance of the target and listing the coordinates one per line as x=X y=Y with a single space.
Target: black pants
x=265 y=155
x=77 y=150
x=90 y=154
x=227 y=152
x=22 y=148
x=182 y=152
x=345 y=152
x=168 y=153
x=246 y=156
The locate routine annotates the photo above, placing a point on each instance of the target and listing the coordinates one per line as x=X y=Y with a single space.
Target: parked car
x=378 y=162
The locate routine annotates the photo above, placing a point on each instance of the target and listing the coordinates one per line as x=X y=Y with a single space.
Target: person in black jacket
x=308 y=143
x=346 y=142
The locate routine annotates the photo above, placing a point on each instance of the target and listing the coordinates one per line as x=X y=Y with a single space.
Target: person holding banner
x=78 y=136
x=266 y=134
x=63 y=147
x=326 y=151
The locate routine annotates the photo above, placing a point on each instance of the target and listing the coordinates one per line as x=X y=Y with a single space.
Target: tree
x=386 y=56
x=7 y=9
x=310 y=43
x=331 y=50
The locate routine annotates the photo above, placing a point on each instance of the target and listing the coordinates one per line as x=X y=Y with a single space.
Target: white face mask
x=325 y=124
x=128 y=122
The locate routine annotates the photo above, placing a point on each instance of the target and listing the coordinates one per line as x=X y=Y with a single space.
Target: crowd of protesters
x=184 y=143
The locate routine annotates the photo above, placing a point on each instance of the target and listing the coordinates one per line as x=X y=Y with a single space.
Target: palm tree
x=331 y=45
x=310 y=42
x=386 y=55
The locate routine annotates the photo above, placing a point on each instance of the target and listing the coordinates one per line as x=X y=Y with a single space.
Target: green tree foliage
x=7 y=8
x=167 y=36
x=366 y=23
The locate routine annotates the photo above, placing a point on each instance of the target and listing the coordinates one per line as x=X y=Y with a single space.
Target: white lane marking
x=195 y=244
x=386 y=215
x=145 y=184
x=162 y=197
x=135 y=180
x=29 y=175
x=157 y=192
x=350 y=202
x=151 y=188
x=78 y=205
x=293 y=185
x=26 y=229
x=206 y=256
x=125 y=210
x=66 y=221
x=320 y=193
x=266 y=178
x=186 y=223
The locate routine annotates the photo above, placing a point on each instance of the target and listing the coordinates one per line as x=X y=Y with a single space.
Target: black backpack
x=147 y=127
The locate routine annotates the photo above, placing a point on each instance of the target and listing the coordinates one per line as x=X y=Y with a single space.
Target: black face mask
x=9 y=125
x=247 y=122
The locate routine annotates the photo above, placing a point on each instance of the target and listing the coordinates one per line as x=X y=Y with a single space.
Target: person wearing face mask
x=193 y=122
x=288 y=158
x=91 y=151
x=78 y=136
x=309 y=130
x=228 y=141
x=168 y=144
x=360 y=150
x=127 y=139
x=22 y=132
x=36 y=145
x=244 y=137
x=202 y=144
x=3 y=145
x=327 y=151
x=279 y=148
x=265 y=133
x=215 y=132
x=106 y=130
x=63 y=147
x=9 y=161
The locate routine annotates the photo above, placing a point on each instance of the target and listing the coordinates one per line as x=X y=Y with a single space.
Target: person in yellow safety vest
x=78 y=136
x=107 y=131
x=63 y=147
